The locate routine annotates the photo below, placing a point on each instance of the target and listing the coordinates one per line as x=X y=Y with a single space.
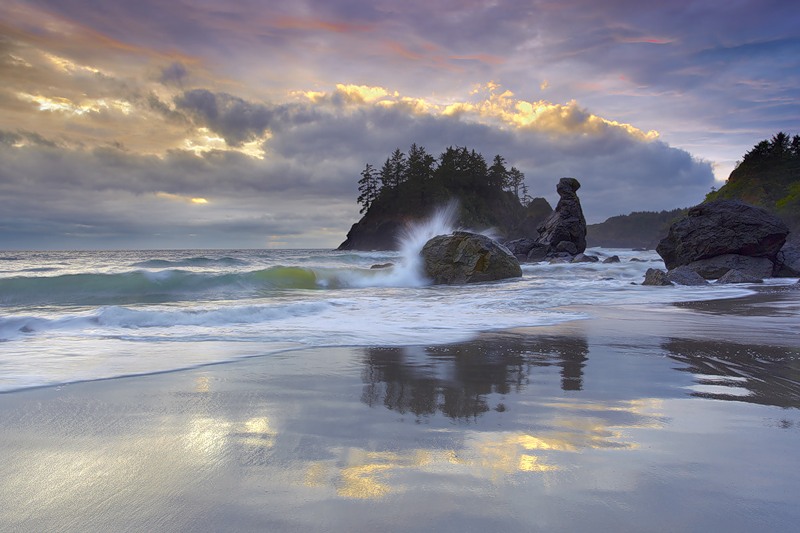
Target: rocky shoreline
x=726 y=240
x=729 y=241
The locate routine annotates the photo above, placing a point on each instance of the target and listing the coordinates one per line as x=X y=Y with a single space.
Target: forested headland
x=410 y=186
x=768 y=176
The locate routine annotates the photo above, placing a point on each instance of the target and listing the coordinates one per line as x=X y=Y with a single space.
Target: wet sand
x=676 y=418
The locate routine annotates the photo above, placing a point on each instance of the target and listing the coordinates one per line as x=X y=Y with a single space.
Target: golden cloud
x=498 y=108
x=181 y=198
x=364 y=93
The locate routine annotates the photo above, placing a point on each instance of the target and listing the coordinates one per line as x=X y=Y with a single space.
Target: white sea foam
x=95 y=317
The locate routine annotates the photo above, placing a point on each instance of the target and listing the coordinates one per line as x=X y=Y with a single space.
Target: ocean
x=69 y=316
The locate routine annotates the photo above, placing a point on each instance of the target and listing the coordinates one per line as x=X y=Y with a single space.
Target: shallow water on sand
x=631 y=421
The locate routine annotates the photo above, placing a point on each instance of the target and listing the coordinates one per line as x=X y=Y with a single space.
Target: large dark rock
x=716 y=267
x=566 y=223
x=465 y=257
x=720 y=228
x=787 y=262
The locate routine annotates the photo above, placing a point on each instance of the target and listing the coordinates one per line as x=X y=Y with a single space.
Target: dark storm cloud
x=236 y=119
x=174 y=73
x=233 y=118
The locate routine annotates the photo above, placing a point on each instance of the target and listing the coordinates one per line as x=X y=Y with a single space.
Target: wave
x=149 y=287
x=143 y=286
x=191 y=262
x=128 y=318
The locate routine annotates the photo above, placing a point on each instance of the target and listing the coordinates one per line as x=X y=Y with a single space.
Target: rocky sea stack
x=565 y=228
x=562 y=235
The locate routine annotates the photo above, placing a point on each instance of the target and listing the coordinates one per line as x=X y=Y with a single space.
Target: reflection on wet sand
x=456 y=380
x=767 y=375
x=568 y=428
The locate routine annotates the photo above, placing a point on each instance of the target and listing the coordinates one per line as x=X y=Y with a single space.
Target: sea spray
x=407 y=272
x=442 y=222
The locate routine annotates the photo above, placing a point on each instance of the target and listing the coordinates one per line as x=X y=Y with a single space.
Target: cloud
x=274 y=110
x=232 y=117
x=174 y=73
x=313 y=149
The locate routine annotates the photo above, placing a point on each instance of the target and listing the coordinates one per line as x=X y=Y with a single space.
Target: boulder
x=612 y=259
x=566 y=223
x=520 y=246
x=787 y=262
x=737 y=276
x=465 y=257
x=654 y=276
x=721 y=228
x=716 y=267
x=583 y=258
x=683 y=275
x=538 y=252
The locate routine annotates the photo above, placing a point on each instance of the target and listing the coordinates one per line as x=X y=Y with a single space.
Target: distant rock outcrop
x=566 y=223
x=711 y=233
x=465 y=257
x=640 y=229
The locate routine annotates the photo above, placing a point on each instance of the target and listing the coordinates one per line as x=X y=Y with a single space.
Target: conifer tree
x=516 y=180
x=368 y=188
x=393 y=172
x=498 y=174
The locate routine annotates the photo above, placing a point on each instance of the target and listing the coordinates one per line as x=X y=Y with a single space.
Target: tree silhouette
x=498 y=174
x=393 y=172
x=368 y=188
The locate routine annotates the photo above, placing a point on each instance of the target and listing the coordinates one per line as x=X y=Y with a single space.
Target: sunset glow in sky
x=246 y=123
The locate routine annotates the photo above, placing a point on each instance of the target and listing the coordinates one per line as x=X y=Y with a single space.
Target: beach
x=669 y=417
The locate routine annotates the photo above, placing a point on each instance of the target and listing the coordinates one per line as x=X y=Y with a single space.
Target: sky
x=246 y=123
